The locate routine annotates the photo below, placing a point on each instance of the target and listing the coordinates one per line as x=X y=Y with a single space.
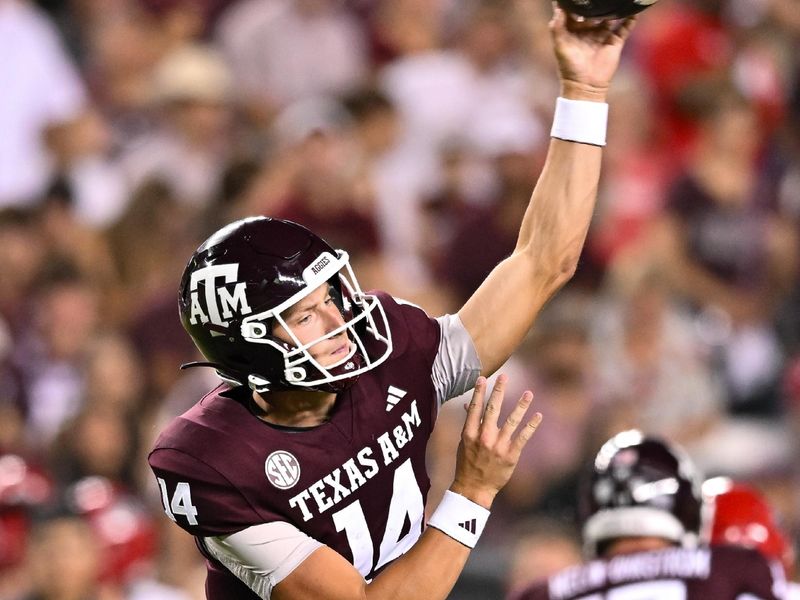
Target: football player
x=641 y=516
x=740 y=515
x=303 y=474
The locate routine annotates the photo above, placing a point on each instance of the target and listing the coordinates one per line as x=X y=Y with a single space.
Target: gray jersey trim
x=262 y=555
x=457 y=365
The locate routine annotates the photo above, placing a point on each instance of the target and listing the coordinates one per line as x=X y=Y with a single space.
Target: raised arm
x=502 y=310
x=487 y=456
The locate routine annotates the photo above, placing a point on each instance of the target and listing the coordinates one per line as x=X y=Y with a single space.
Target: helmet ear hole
x=295 y=374
x=254 y=330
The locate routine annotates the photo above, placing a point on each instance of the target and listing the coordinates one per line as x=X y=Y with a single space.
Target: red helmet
x=23 y=487
x=640 y=486
x=740 y=515
x=124 y=528
x=238 y=285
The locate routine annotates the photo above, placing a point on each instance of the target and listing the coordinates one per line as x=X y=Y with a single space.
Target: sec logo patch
x=282 y=469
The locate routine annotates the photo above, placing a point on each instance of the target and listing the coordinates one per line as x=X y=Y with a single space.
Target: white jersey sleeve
x=457 y=365
x=262 y=555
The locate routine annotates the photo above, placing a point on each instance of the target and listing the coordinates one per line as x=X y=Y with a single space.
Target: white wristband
x=460 y=518
x=580 y=121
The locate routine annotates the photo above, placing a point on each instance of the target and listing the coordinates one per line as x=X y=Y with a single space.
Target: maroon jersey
x=721 y=573
x=356 y=483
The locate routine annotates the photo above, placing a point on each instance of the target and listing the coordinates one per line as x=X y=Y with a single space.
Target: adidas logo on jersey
x=470 y=526
x=394 y=396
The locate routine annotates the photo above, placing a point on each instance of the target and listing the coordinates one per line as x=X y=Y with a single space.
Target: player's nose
x=332 y=318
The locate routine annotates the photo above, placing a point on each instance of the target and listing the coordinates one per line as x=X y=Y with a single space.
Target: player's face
x=313 y=317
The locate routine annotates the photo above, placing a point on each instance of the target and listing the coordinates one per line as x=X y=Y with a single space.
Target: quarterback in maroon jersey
x=302 y=475
x=641 y=513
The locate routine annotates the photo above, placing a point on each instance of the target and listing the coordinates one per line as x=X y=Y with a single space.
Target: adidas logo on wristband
x=468 y=525
x=459 y=518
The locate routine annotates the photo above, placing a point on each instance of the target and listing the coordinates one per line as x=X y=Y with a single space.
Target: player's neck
x=636 y=544
x=295 y=409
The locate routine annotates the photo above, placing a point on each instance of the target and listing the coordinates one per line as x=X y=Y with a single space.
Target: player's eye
x=304 y=319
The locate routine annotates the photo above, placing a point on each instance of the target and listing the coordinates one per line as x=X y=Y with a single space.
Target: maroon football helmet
x=237 y=287
x=640 y=487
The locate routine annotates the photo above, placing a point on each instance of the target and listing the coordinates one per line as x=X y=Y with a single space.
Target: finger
x=559 y=19
x=475 y=408
x=586 y=25
x=625 y=28
x=574 y=23
x=515 y=418
x=526 y=433
x=619 y=30
x=492 y=410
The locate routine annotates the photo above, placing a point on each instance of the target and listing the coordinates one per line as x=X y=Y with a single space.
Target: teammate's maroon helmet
x=239 y=283
x=640 y=487
x=740 y=515
x=605 y=9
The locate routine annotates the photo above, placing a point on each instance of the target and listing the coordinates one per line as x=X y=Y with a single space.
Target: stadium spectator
x=689 y=41
x=64 y=561
x=324 y=189
x=275 y=49
x=193 y=89
x=398 y=181
x=23 y=254
x=636 y=175
x=484 y=233
x=649 y=355
x=50 y=352
x=44 y=99
x=725 y=247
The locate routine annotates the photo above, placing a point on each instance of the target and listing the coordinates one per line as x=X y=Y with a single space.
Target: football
x=605 y=9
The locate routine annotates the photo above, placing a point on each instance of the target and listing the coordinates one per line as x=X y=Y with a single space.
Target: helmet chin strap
x=221 y=374
x=261 y=385
x=199 y=363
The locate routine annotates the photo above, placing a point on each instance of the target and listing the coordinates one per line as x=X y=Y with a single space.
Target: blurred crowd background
x=410 y=133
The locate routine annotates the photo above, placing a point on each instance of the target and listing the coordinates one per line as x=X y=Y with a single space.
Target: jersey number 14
x=406 y=505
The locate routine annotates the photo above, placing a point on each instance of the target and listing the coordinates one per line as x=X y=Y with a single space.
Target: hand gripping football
x=605 y=9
